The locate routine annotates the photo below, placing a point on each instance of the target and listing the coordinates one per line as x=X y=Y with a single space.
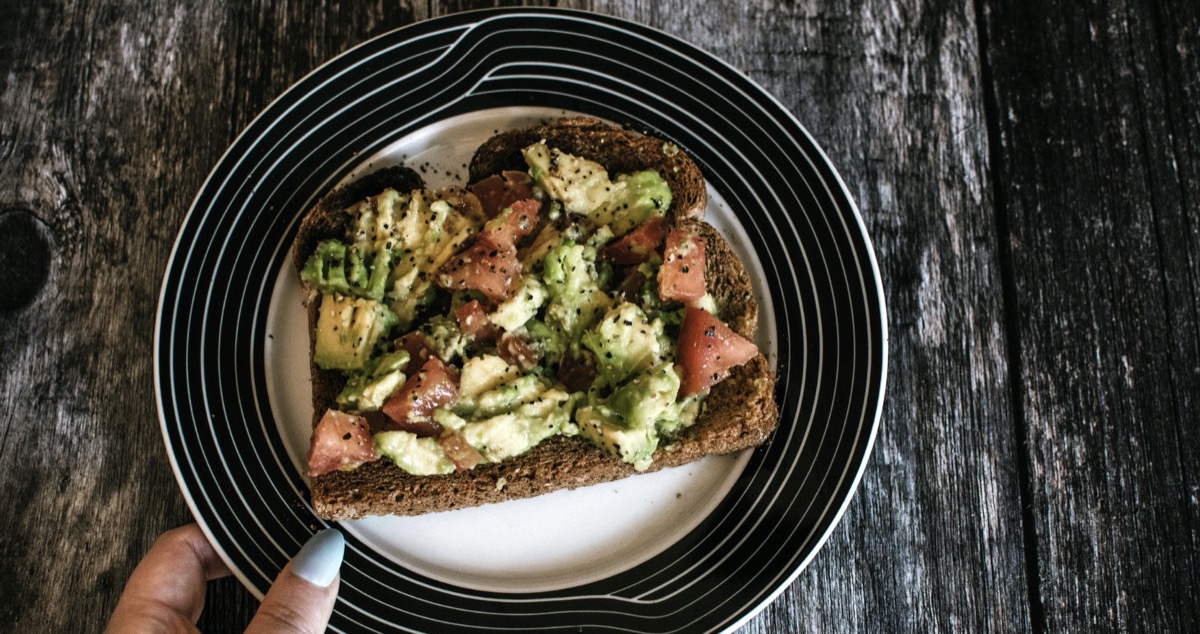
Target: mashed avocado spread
x=469 y=338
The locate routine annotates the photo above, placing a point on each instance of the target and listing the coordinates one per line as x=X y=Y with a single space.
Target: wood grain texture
x=101 y=144
x=1028 y=172
x=892 y=91
x=1096 y=116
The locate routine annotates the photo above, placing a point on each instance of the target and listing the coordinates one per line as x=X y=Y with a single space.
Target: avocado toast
x=524 y=335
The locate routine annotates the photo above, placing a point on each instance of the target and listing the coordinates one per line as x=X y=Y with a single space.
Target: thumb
x=302 y=597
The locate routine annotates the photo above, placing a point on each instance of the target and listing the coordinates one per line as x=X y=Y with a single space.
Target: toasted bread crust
x=620 y=151
x=739 y=413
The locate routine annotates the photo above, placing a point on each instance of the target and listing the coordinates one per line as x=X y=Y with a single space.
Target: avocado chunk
x=582 y=186
x=325 y=270
x=679 y=415
x=448 y=419
x=628 y=422
x=398 y=240
x=634 y=198
x=602 y=426
x=336 y=268
x=445 y=337
x=513 y=433
x=415 y=455
x=626 y=342
x=552 y=342
x=364 y=267
x=367 y=392
x=348 y=328
x=647 y=397
x=571 y=278
x=506 y=397
x=482 y=373
x=512 y=313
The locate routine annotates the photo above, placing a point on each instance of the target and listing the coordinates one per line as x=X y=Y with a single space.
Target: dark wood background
x=1028 y=170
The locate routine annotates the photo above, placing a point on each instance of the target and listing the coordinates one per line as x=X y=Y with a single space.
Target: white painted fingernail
x=319 y=561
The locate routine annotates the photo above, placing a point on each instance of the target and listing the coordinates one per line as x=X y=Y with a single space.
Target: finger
x=165 y=593
x=302 y=597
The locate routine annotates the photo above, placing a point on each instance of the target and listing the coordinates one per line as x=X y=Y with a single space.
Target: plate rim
x=458 y=21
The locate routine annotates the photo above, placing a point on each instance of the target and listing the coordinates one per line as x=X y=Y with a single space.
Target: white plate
x=698 y=548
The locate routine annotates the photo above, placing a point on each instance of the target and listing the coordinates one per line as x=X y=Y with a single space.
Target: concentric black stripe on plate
x=818 y=270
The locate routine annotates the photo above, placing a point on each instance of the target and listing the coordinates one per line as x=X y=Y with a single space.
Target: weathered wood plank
x=892 y=91
x=1098 y=131
x=108 y=152
x=112 y=119
x=106 y=120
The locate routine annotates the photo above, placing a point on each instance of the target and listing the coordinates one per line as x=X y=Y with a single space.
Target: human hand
x=165 y=593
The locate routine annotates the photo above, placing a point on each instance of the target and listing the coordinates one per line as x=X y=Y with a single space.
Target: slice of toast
x=739 y=413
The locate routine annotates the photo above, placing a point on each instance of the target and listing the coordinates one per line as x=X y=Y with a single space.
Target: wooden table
x=1029 y=173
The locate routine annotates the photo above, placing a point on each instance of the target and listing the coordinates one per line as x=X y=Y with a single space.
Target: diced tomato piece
x=576 y=373
x=463 y=201
x=474 y=322
x=636 y=246
x=630 y=288
x=409 y=409
x=521 y=220
x=681 y=277
x=499 y=191
x=376 y=420
x=708 y=350
x=462 y=454
x=515 y=349
x=483 y=267
x=418 y=346
x=340 y=441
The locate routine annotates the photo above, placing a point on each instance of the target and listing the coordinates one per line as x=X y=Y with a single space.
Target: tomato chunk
x=505 y=230
x=474 y=322
x=499 y=191
x=485 y=267
x=410 y=408
x=576 y=373
x=340 y=441
x=418 y=346
x=462 y=454
x=636 y=246
x=681 y=277
x=708 y=350
x=516 y=349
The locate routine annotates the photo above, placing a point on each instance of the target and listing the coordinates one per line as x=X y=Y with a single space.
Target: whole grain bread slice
x=739 y=413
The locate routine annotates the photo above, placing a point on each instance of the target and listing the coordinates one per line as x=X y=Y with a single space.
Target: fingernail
x=321 y=558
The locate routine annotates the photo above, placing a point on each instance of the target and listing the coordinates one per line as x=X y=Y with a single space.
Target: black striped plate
x=698 y=548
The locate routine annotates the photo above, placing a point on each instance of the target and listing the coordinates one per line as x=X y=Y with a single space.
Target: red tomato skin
x=339 y=441
x=433 y=386
x=485 y=267
x=497 y=192
x=515 y=349
x=462 y=454
x=417 y=344
x=681 y=277
x=576 y=373
x=474 y=322
x=708 y=350
x=520 y=222
x=636 y=246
